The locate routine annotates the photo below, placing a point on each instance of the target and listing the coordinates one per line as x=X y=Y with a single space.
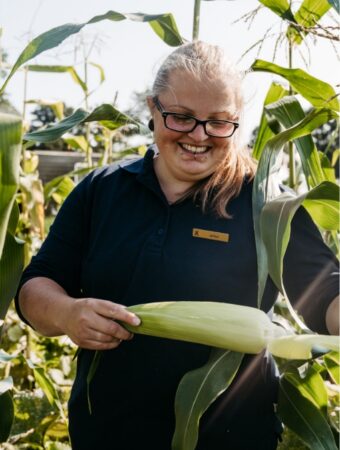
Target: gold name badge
x=213 y=235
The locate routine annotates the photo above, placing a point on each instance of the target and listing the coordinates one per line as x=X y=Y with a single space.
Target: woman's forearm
x=45 y=305
x=90 y=322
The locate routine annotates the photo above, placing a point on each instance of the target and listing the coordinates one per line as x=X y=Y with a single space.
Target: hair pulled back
x=210 y=63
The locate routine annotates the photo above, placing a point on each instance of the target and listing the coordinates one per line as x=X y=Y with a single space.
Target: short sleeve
x=60 y=256
x=310 y=275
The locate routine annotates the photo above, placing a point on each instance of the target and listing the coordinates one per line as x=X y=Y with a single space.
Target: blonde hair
x=209 y=62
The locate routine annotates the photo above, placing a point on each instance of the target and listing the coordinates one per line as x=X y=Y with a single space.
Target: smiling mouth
x=195 y=149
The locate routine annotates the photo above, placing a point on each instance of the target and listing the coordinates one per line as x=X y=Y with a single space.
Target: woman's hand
x=91 y=323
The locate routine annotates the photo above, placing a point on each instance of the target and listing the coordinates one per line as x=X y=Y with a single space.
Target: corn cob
x=224 y=325
x=234 y=327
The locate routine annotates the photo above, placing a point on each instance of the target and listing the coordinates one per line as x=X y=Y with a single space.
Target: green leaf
x=11 y=263
x=288 y=112
x=335 y=156
x=58 y=69
x=58 y=189
x=265 y=132
x=57 y=107
x=322 y=203
x=10 y=148
x=279 y=7
x=103 y=113
x=327 y=168
x=265 y=185
x=304 y=418
x=308 y=15
x=317 y=92
x=197 y=390
x=163 y=24
x=311 y=386
x=332 y=363
x=6 y=408
x=92 y=370
x=101 y=71
x=46 y=385
x=78 y=142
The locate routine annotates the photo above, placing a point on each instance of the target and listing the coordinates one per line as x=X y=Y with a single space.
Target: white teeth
x=194 y=148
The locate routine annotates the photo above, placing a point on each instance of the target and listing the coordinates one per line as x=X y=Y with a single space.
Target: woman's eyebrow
x=229 y=112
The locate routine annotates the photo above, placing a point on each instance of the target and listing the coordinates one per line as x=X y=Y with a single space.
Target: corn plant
x=199 y=388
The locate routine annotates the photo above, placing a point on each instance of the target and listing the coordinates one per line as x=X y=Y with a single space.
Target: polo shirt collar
x=144 y=171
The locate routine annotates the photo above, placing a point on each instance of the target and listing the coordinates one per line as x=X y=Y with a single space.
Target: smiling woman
x=174 y=225
x=196 y=104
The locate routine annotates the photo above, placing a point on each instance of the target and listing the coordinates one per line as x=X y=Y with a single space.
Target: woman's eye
x=181 y=119
x=217 y=124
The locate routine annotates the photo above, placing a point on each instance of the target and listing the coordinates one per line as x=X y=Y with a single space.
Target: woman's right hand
x=91 y=323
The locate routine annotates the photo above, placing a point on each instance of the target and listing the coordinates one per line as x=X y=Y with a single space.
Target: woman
x=138 y=233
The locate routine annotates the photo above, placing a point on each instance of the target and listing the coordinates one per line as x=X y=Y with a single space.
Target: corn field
x=36 y=373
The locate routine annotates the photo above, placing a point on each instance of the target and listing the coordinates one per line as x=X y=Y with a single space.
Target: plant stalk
x=196 y=23
x=292 y=170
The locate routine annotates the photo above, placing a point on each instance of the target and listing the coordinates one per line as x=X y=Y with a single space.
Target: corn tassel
x=234 y=327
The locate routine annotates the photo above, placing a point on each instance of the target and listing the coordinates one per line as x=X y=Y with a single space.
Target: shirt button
x=160 y=231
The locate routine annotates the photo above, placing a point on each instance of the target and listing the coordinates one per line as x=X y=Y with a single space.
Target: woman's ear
x=150 y=104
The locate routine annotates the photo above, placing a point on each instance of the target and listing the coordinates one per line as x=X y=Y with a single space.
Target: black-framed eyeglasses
x=185 y=123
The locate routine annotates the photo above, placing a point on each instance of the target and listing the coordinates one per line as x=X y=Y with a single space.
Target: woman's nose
x=198 y=133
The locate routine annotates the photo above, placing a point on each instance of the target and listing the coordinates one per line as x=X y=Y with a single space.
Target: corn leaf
x=311 y=385
x=10 y=148
x=92 y=370
x=332 y=363
x=11 y=263
x=197 y=390
x=322 y=202
x=265 y=132
x=317 y=92
x=163 y=24
x=308 y=15
x=279 y=7
x=101 y=71
x=6 y=408
x=104 y=113
x=44 y=381
x=265 y=186
x=301 y=415
x=58 y=69
x=288 y=112
x=76 y=142
x=57 y=107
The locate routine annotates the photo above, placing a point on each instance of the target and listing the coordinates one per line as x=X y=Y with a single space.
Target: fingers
x=116 y=312
x=92 y=324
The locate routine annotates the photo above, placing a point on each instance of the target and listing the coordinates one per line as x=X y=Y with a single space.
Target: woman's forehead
x=200 y=94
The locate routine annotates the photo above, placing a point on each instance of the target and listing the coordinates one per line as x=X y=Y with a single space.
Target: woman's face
x=191 y=156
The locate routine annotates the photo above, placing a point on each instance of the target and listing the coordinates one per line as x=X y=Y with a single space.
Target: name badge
x=212 y=235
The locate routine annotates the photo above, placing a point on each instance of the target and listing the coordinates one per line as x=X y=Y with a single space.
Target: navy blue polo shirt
x=117 y=238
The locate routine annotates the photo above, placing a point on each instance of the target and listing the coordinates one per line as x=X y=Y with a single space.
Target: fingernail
x=136 y=320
